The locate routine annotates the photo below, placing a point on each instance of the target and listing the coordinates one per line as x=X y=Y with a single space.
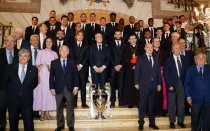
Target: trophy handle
x=108 y=92
x=92 y=91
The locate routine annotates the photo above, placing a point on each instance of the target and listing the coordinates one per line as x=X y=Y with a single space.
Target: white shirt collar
x=175 y=57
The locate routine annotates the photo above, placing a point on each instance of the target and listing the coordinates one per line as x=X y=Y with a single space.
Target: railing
x=186 y=5
x=5 y=30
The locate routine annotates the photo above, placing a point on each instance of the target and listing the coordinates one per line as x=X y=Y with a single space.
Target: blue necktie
x=201 y=73
x=179 y=66
x=10 y=57
x=22 y=75
x=64 y=66
x=35 y=55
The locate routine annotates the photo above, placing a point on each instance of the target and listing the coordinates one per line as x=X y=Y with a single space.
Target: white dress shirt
x=64 y=29
x=19 y=43
x=20 y=69
x=118 y=42
x=59 y=42
x=42 y=38
x=177 y=68
x=32 y=55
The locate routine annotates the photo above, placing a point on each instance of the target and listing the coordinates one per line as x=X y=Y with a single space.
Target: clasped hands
x=158 y=87
x=99 y=69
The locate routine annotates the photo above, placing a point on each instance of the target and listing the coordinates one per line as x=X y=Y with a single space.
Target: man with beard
x=59 y=41
x=51 y=30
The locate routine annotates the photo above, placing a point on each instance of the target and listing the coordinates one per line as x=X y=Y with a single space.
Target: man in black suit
x=128 y=29
x=112 y=25
x=8 y=56
x=148 y=84
x=71 y=24
x=51 y=29
x=99 y=60
x=42 y=34
x=180 y=30
x=20 y=42
x=138 y=32
x=147 y=39
x=124 y=37
x=33 y=29
x=151 y=28
x=104 y=31
x=83 y=21
x=92 y=28
x=80 y=55
x=64 y=83
x=167 y=32
x=59 y=41
x=20 y=80
x=117 y=70
x=159 y=34
x=174 y=72
x=52 y=14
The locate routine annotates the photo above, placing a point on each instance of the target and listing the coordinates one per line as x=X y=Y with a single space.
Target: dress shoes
x=2 y=128
x=59 y=129
x=71 y=129
x=172 y=125
x=141 y=128
x=112 y=105
x=153 y=126
x=182 y=125
x=85 y=105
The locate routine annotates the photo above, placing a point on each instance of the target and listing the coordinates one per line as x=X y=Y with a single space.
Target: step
x=117 y=121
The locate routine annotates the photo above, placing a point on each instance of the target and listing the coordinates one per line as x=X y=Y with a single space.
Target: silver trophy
x=99 y=102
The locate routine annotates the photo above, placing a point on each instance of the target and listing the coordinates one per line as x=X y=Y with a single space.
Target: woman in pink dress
x=43 y=100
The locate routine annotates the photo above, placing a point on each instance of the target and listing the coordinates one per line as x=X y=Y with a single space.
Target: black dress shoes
x=85 y=105
x=172 y=125
x=2 y=128
x=75 y=105
x=182 y=125
x=141 y=128
x=112 y=105
x=59 y=129
x=153 y=126
x=71 y=129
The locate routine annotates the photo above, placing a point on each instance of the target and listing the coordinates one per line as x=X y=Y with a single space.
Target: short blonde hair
x=24 y=51
x=34 y=36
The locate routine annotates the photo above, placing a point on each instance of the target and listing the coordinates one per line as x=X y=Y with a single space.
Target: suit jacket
x=142 y=44
x=57 y=24
x=4 y=62
x=167 y=46
x=163 y=36
x=52 y=32
x=30 y=60
x=112 y=29
x=72 y=27
x=116 y=53
x=91 y=33
x=128 y=30
x=196 y=87
x=189 y=57
x=20 y=94
x=106 y=35
x=59 y=79
x=68 y=35
x=147 y=77
x=24 y=44
x=99 y=58
x=170 y=72
x=56 y=47
x=29 y=31
x=154 y=32
x=80 y=54
x=182 y=33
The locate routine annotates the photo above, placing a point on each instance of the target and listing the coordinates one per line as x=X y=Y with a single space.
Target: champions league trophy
x=100 y=102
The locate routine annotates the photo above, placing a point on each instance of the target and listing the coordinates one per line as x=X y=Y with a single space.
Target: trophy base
x=100 y=116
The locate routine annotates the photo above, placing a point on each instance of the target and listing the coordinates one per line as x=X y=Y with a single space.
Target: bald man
x=148 y=82
x=64 y=83
x=20 y=42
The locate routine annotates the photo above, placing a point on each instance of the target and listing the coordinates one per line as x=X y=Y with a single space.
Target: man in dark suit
x=148 y=83
x=159 y=33
x=64 y=83
x=147 y=39
x=80 y=55
x=138 y=32
x=167 y=32
x=112 y=25
x=20 y=80
x=33 y=29
x=71 y=24
x=52 y=14
x=42 y=34
x=20 y=42
x=180 y=30
x=34 y=49
x=128 y=29
x=151 y=28
x=51 y=29
x=83 y=21
x=117 y=71
x=99 y=60
x=8 y=56
x=174 y=73
x=141 y=23
x=92 y=28
x=104 y=30
x=197 y=92
x=59 y=41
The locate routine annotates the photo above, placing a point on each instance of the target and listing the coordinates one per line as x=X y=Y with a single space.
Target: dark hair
x=60 y=30
x=77 y=23
x=64 y=16
x=170 y=19
x=45 y=41
x=79 y=32
x=146 y=30
x=34 y=17
x=131 y=34
x=137 y=24
x=179 y=22
x=52 y=11
x=70 y=13
x=93 y=14
x=159 y=28
x=117 y=30
x=103 y=18
x=141 y=21
x=112 y=14
x=52 y=17
x=181 y=16
x=150 y=19
x=82 y=14
x=166 y=23
x=40 y=25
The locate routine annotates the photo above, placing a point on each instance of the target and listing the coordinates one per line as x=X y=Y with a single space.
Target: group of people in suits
x=146 y=65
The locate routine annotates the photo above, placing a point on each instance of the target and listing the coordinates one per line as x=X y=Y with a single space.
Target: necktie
x=150 y=60
x=103 y=31
x=201 y=73
x=64 y=66
x=112 y=24
x=64 y=31
x=51 y=28
x=59 y=44
x=141 y=31
x=10 y=57
x=33 y=29
x=22 y=75
x=99 y=48
x=179 y=66
x=83 y=27
x=167 y=35
x=152 y=33
x=18 y=44
x=138 y=35
x=93 y=27
x=35 y=55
